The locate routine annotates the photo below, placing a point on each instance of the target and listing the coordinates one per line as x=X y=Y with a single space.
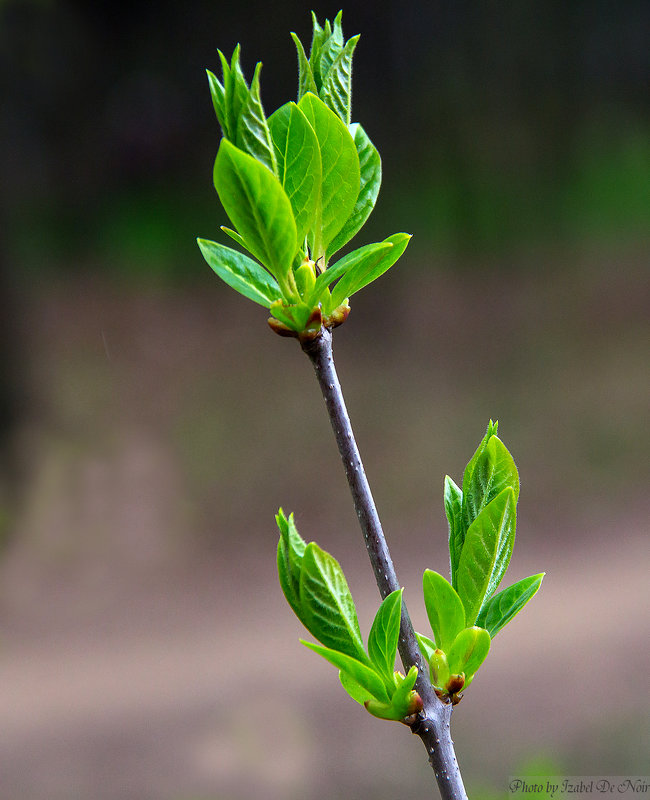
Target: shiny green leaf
x=427 y=646
x=369 y=183
x=384 y=634
x=486 y=552
x=299 y=164
x=366 y=272
x=242 y=273
x=252 y=133
x=468 y=651
x=493 y=471
x=354 y=689
x=444 y=609
x=502 y=607
x=326 y=603
x=291 y=549
x=336 y=90
x=453 y=499
x=257 y=206
x=363 y=674
x=306 y=82
x=340 y=173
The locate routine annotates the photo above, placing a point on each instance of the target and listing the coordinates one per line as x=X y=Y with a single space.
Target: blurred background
x=151 y=424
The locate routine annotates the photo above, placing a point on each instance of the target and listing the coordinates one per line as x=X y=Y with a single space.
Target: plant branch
x=433 y=723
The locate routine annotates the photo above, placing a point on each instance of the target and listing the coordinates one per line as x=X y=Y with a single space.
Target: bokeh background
x=151 y=423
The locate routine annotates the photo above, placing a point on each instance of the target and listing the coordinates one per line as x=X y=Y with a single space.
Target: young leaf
x=330 y=49
x=354 y=689
x=384 y=634
x=453 y=499
x=299 y=164
x=218 y=95
x=350 y=261
x=252 y=133
x=336 y=91
x=242 y=273
x=363 y=674
x=258 y=207
x=318 y=37
x=444 y=609
x=327 y=606
x=427 y=646
x=291 y=549
x=364 y=273
x=493 y=471
x=370 y=181
x=306 y=82
x=235 y=93
x=468 y=651
x=491 y=431
x=502 y=607
x=340 y=172
x=486 y=552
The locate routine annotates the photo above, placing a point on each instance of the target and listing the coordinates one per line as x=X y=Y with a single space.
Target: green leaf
x=217 y=92
x=384 y=634
x=491 y=431
x=331 y=47
x=444 y=609
x=427 y=646
x=327 y=606
x=370 y=181
x=356 y=279
x=362 y=255
x=242 y=273
x=493 y=471
x=258 y=207
x=403 y=700
x=291 y=549
x=468 y=651
x=438 y=668
x=236 y=237
x=340 y=172
x=486 y=552
x=318 y=37
x=294 y=316
x=502 y=607
x=252 y=133
x=336 y=91
x=363 y=674
x=453 y=499
x=235 y=93
x=299 y=164
x=354 y=689
x=306 y=82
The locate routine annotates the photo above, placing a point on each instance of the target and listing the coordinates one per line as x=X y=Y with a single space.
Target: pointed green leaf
x=356 y=279
x=427 y=646
x=306 y=82
x=354 y=689
x=403 y=699
x=444 y=609
x=218 y=95
x=340 y=172
x=384 y=634
x=299 y=164
x=331 y=47
x=258 y=207
x=361 y=256
x=486 y=552
x=242 y=273
x=336 y=91
x=291 y=549
x=468 y=651
x=370 y=181
x=502 y=607
x=363 y=674
x=491 y=431
x=235 y=92
x=252 y=133
x=318 y=37
x=493 y=471
x=327 y=606
x=453 y=499
x=236 y=237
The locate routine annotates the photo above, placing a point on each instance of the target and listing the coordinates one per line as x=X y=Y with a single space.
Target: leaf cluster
x=316 y=589
x=297 y=186
x=466 y=614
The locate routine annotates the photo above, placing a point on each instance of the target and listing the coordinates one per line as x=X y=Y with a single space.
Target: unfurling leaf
x=444 y=609
x=384 y=634
x=502 y=607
